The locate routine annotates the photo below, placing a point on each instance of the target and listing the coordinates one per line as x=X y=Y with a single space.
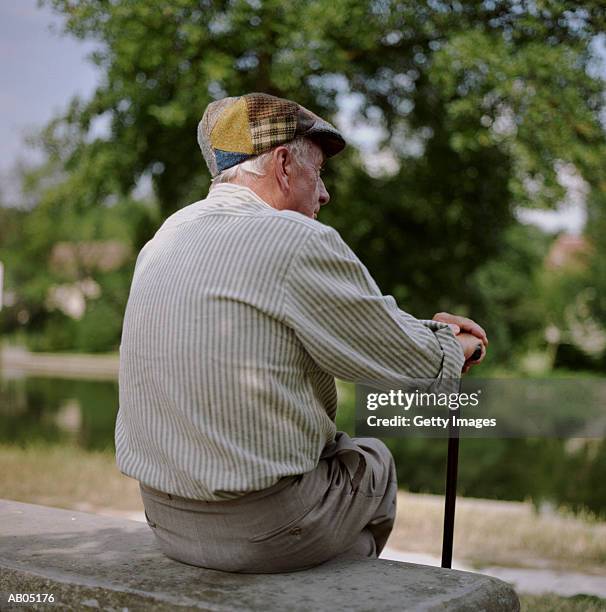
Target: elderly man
x=243 y=309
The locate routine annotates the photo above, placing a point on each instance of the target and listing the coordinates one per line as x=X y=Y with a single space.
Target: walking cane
x=452 y=465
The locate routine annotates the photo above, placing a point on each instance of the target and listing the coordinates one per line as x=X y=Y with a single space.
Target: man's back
x=218 y=396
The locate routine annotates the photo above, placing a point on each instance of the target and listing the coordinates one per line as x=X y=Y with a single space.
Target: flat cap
x=236 y=128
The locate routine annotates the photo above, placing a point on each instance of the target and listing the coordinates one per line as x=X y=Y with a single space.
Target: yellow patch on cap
x=232 y=130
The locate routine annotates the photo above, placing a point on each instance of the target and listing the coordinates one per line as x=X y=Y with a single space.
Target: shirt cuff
x=453 y=357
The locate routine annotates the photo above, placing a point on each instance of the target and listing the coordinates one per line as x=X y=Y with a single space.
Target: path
x=525 y=580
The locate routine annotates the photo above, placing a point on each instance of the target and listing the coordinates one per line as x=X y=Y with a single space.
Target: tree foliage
x=475 y=104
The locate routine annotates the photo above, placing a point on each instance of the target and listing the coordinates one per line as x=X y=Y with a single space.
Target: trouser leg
x=361 y=496
x=380 y=481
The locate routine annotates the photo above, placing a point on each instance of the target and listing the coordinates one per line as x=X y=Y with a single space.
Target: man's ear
x=283 y=168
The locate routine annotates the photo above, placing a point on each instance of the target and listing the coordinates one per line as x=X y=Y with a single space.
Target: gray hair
x=300 y=148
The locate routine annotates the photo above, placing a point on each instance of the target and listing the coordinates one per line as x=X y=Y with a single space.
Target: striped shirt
x=239 y=319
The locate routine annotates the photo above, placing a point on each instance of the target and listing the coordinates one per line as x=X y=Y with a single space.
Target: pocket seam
x=149 y=521
x=277 y=530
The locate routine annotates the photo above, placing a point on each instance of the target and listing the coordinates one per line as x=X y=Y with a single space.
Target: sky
x=41 y=70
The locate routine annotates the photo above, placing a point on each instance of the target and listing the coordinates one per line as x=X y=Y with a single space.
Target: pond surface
x=76 y=411
x=55 y=410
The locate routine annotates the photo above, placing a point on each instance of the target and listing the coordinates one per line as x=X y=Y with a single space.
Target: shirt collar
x=233 y=191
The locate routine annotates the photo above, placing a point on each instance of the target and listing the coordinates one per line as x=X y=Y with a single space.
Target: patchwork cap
x=236 y=128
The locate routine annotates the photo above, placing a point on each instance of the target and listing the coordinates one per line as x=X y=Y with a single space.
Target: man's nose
x=324 y=197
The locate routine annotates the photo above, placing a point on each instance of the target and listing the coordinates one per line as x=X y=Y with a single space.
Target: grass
x=487 y=532
x=66 y=477
x=500 y=533
x=553 y=603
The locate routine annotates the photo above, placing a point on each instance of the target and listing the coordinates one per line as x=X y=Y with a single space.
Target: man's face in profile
x=308 y=191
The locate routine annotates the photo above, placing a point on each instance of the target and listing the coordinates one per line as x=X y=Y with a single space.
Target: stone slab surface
x=94 y=562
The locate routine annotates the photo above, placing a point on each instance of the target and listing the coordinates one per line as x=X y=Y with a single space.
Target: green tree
x=477 y=102
x=27 y=240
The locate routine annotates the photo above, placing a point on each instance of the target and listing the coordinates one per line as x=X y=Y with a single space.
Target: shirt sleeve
x=354 y=332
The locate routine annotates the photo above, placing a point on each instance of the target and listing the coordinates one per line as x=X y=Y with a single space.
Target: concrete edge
x=503 y=597
x=77 y=595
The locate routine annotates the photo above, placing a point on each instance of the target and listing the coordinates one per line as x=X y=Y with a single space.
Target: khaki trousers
x=344 y=508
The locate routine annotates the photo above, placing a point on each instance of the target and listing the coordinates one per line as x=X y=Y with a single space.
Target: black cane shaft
x=450 y=501
x=452 y=465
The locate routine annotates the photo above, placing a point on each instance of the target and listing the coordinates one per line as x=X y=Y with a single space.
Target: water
x=54 y=410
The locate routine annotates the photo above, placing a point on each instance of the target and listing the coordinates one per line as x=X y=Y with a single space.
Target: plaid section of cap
x=263 y=106
x=271 y=132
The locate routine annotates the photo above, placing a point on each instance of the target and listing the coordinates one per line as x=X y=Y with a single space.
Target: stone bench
x=88 y=561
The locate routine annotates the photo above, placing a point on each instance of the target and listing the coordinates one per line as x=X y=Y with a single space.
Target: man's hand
x=470 y=345
x=469 y=334
x=464 y=324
